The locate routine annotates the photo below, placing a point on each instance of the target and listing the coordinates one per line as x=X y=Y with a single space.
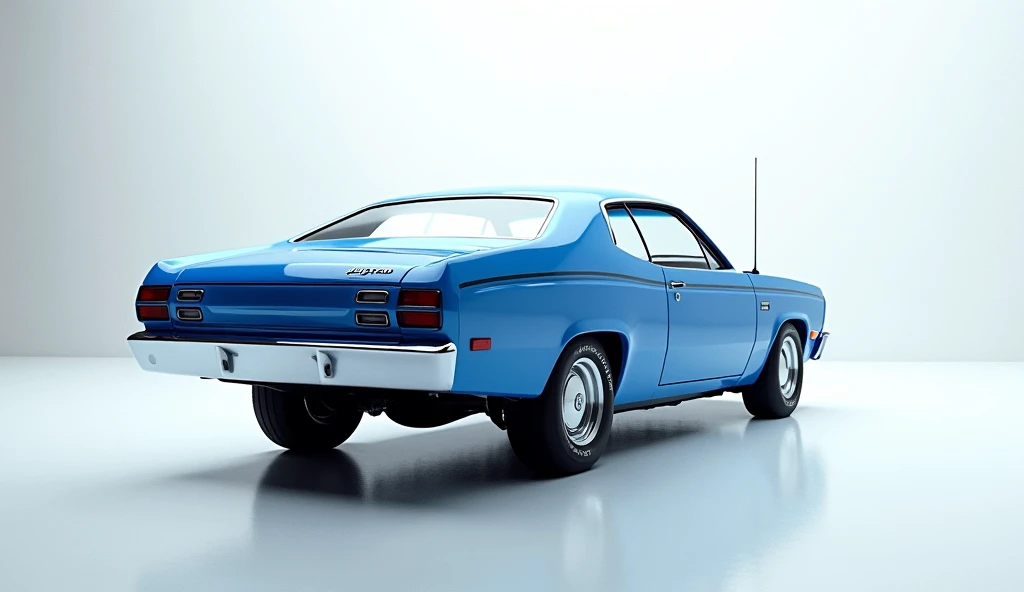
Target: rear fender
x=767 y=331
x=583 y=328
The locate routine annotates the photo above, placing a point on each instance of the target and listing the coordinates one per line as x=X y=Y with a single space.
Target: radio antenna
x=754 y=270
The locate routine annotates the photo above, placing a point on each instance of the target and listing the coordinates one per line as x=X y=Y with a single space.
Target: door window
x=668 y=240
x=712 y=261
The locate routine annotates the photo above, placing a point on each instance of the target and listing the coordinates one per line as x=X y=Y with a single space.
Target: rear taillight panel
x=151 y=303
x=152 y=312
x=419 y=319
x=153 y=294
x=419 y=309
x=419 y=298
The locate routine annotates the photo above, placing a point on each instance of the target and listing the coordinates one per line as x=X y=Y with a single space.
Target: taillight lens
x=152 y=312
x=420 y=319
x=154 y=294
x=144 y=311
x=425 y=298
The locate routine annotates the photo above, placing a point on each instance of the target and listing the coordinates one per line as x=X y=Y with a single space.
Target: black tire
x=304 y=422
x=765 y=399
x=536 y=428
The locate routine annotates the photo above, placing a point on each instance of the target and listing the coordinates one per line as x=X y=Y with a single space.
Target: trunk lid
x=309 y=288
x=294 y=264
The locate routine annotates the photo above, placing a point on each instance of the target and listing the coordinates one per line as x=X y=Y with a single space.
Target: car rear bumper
x=415 y=367
x=819 y=346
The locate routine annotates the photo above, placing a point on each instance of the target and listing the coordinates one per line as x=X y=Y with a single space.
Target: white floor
x=888 y=477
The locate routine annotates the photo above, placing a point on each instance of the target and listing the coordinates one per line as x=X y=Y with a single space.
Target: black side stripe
x=788 y=291
x=620 y=276
x=526 y=276
x=717 y=287
x=759 y=290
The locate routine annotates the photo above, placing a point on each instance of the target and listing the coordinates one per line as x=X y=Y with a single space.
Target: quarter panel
x=530 y=321
x=787 y=300
x=533 y=299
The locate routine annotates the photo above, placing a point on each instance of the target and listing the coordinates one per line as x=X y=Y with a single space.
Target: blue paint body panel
x=712 y=326
x=530 y=297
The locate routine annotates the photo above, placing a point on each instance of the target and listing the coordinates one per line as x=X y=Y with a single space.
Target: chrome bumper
x=819 y=346
x=422 y=368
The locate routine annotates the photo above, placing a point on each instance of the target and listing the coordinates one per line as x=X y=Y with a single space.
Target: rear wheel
x=566 y=429
x=777 y=390
x=304 y=421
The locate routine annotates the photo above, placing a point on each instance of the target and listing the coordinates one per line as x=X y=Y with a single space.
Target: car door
x=712 y=311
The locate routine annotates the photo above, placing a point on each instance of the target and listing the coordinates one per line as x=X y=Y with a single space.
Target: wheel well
x=801 y=328
x=614 y=345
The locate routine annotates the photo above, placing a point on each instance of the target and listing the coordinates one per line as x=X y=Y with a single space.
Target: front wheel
x=777 y=390
x=304 y=421
x=565 y=430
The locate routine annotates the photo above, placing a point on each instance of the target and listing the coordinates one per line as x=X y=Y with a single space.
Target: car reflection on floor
x=684 y=499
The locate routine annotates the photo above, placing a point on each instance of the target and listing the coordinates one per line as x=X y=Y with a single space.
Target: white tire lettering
x=606 y=366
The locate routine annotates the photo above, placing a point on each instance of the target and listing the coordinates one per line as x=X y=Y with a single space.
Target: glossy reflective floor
x=888 y=477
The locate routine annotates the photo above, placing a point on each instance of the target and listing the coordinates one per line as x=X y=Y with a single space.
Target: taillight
x=431 y=298
x=420 y=318
x=152 y=312
x=151 y=303
x=154 y=294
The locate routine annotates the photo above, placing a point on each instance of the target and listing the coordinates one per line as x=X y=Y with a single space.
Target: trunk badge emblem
x=370 y=270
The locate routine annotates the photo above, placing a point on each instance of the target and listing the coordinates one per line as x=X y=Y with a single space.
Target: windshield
x=468 y=217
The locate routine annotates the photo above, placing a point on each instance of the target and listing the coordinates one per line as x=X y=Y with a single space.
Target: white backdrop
x=890 y=138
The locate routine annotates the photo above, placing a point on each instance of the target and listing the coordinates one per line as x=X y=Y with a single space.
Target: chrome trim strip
x=540 y=232
x=364 y=313
x=188 y=309
x=198 y=295
x=367 y=292
x=423 y=349
x=416 y=349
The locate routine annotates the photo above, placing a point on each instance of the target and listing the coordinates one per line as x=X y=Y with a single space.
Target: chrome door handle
x=674 y=285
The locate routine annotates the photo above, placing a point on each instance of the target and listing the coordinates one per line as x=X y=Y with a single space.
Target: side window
x=626 y=235
x=670 y=242
x=711 y=258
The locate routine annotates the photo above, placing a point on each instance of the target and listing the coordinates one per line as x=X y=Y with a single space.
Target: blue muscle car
x=548 y=309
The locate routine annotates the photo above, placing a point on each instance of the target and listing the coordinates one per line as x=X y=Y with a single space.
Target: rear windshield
x=477 y=217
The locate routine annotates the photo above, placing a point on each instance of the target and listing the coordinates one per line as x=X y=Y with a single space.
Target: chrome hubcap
x=789 y=367
x=582 y=402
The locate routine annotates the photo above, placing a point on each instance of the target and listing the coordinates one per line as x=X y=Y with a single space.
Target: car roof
x=568 y=193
